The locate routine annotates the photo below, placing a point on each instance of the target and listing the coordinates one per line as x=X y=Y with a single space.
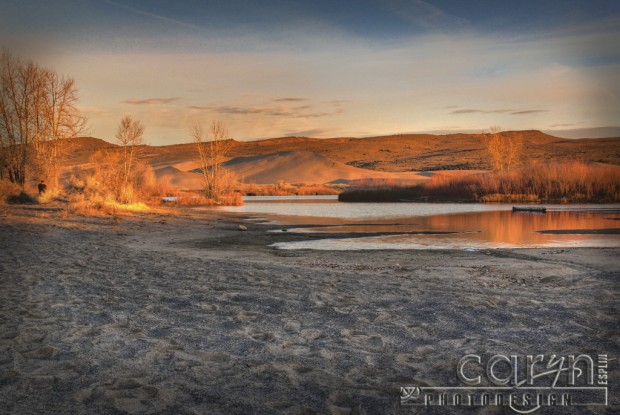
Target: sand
x=306 y=167
x=184 y=313
x=290 y=166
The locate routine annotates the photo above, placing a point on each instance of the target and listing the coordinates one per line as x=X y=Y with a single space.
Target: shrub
x=8 y=190
x=20 y=198
x=231 y=199
x=49 y=195
x=564 y=182
x=283 y=189
x=105 y=188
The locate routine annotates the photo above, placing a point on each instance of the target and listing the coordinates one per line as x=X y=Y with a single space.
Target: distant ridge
x=598 y=132
x=81 y=149
x=404 y=154
x=91 y=143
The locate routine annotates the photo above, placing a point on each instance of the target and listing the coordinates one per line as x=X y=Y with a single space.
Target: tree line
x=39 y=118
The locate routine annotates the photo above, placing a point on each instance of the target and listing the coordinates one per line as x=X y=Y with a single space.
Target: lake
x=354 y=226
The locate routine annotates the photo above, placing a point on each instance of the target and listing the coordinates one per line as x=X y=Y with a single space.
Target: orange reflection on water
x=489 y=229
x=522 y=228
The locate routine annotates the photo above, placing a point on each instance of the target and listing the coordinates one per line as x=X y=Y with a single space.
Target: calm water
x=329 y=207
x=353 y=226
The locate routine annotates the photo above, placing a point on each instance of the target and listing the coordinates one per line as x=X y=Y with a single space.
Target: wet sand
x=184 y=313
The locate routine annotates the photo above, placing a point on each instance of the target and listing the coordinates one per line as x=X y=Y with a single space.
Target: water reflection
x=520 y=228
x=315 y=207
x=494 y=229
x=432 y=225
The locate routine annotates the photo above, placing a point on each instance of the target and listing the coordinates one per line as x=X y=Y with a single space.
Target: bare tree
x=60 y=122
x=514 y=150
x=212 y=154
x=19 y=94
x=37 y=115
x=129 y=134
x=505 y=149
x=494 y=147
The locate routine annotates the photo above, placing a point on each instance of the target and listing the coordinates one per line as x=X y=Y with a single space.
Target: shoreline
x=184 y=313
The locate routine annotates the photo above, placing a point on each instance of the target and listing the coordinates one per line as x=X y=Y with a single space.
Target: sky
x=327 y=68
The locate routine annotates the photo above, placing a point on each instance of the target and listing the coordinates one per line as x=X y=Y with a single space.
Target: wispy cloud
x=155 y=16
x=479 y=111
x=315 y=132
x=497 y=111
x=296 y=112
x=563 y=125
x=424 y=14
x=150 y=101
x=290 y=99
x=525 y=112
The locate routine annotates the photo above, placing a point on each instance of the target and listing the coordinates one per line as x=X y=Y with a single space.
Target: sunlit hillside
x=312 y=160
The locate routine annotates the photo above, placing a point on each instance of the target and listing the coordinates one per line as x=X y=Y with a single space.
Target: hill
x=312 y=160
x=304 y=167
x=410 y=152
x=419 y=152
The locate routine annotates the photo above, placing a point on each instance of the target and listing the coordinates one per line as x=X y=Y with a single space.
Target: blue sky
x=328 y=68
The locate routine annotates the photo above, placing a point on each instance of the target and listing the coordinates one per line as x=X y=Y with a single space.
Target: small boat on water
x=538 y=209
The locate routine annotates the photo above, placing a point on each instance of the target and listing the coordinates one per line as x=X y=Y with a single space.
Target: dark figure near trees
x=42 y=187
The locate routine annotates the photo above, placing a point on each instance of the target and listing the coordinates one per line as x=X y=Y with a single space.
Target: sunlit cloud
x=305 y=68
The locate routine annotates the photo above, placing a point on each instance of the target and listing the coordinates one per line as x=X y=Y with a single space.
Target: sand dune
x=290 y=166
x=304 y=167
x=179 y=179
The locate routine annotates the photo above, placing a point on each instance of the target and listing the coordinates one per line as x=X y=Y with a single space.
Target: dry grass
x=502 y=198
x=48 y=196
x=285 y=189
x=230 y=199
x=186 y=198
x=376 y=183
x=8 y=190
x=104 y=189
x=97 y=204
x=572 y=181
x=561 y=182
x=194 y=199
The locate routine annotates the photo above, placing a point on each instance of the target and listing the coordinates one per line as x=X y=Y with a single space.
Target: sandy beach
x=185 y=314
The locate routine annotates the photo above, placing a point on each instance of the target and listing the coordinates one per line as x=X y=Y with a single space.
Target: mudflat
x=184 y=313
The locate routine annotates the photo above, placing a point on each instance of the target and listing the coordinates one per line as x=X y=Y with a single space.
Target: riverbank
x=552 y=182
x=184 y=313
